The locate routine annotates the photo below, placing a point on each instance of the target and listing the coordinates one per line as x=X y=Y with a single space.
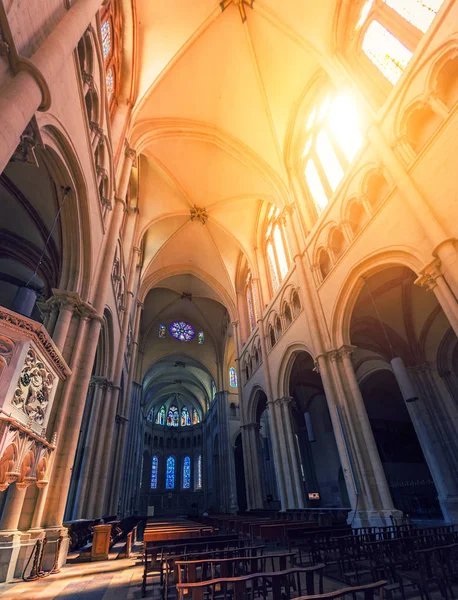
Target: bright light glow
x=311 y=119
x=307 y=147
x=418 y=12
x=329 y=160
x=280 y=252
x=364 y=12
x=344 y=124
x=385 y=51
x=315 y=186
x=324 y=109
x=272 y=267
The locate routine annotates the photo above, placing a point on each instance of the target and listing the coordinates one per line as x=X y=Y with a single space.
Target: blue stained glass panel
x=154 y=467
x=106 y=37
x=199 y=472
x=162 y=331
x=232 y=377
x=173 y=417
x=185 y=417
x=170 y=473
x=160 y=419
x=186 y=473
x=149 y=416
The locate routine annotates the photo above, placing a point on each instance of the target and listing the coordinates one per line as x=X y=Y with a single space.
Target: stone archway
x=314 y=435
x=392 y=317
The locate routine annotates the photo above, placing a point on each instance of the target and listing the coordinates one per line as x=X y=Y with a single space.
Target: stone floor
x=110 y=580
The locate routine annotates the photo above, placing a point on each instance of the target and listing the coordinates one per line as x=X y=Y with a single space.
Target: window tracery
x=278 y=257
x=385 y=35
x=333 y=139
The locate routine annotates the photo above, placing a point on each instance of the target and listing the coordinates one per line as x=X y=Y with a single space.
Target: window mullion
x=406 y=33
x=343 y=160
x=277 y=262
x=322 y=175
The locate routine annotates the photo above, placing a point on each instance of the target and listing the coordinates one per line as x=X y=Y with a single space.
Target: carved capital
x=429 y=275
x=130 y=153
x=199 y=214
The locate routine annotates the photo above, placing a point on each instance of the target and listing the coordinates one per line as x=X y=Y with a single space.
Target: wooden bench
x=242 y=586
x=368 y=590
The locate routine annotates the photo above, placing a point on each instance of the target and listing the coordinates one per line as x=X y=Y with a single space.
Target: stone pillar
x=375 y=472
x=28 y=90
x=80 y=378
x=253 y=469
x=119 y=460
x=421 y=210
x=291 y=447
x=13 y=507
x=435 y=427
x=108 y=423
x=226 y=456
x=432 y=279
x=281 y=478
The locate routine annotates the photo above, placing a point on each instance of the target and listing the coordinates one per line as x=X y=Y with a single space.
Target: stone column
x=254 y=482
x=100 y=384
x=28 y=90
x=374 y=469
x=421 y=210
x=119 y=462
x=13 y=507
x=226 y=456
x=281 y=478
x=73 y=411
x=291 y=447
x=108 y=423
x=432 y=279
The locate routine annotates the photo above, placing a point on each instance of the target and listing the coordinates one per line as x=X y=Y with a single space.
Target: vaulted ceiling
x=219 y=87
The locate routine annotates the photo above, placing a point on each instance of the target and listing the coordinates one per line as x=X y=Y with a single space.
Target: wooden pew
x=370 y=592
x=241 y=586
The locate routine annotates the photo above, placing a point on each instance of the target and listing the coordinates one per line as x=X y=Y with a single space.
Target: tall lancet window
x=154 y=468
x=173 y=417
x=185 y=417
x=251 y=301
x=186 y=473
x=331 y=142
x=390 y=30
x=160 y=417
x=111 y=35
x=170 y=473
x=278 y=256
x=198 y=472
x=195 y=417
x=232 y=377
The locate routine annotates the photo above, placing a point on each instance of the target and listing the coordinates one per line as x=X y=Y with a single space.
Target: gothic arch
x=286 y=364
x=353 y=283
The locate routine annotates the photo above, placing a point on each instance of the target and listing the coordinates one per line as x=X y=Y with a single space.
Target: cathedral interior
x=232 y=291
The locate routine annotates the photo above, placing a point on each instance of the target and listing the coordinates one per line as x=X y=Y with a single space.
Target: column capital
x=122 y=202
x=251 y=427
x=429 y=274
x=286 y=400
x=130 y=152
x=346 y=350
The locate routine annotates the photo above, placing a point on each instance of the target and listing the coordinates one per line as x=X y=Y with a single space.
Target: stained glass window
x=213 y=389
x=150 y=415
x=110 y=82
x=315 y=185
x=329 y=160
x=182 y=331
x=172 y=417
x=186 y=473
x=418 y=12
x=272 y=267
x=154 y=467
x=232 y=377
x=160 y=417
x=162 y=331
x=198 y=472
x=106 y=37
x=280 y=248
x=385 y=51
x=195 y=417
x=344 y=125
x=170 y=473
x=200 y=337
x=185 y=417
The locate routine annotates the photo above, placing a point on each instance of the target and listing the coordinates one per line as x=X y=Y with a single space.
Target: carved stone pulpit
x=30 y=369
